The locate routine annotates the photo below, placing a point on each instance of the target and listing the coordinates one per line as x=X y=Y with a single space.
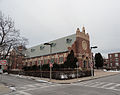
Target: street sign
x=91 y=65
x=51 y=65
x=3 y=62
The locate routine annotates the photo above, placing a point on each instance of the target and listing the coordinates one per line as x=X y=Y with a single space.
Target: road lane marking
x=103 y=85
x=23 y=87
x=113 y=87
x=108 y=84
x=32 y=86
x=98 y=84
x=41 y=87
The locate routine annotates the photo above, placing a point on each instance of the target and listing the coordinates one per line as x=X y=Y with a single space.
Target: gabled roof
x=59 y=45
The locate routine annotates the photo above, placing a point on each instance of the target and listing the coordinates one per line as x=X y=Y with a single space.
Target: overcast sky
x=45 y=20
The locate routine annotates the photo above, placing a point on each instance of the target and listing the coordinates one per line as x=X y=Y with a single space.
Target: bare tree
x=9 y=36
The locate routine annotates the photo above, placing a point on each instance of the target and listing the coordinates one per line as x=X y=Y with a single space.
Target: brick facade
x=81 y=48
x=15 y=59
x=113 y=60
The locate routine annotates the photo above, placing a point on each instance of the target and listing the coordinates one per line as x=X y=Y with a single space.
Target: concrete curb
x=89 y=78
x=74 y=81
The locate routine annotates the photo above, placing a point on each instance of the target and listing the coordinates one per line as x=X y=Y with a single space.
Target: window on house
x=39 y=62
x=84 y=64
x=45 y=61
x=68 y=40
x=32 y=50
x=111 y=60
x=111 y=64
x=116 y=59
x=53 y=44
x=116 y=55
x=61 y=59
x=110 y=56
x=42 y=47
x=17 y=65
x=117 y=64
x=89 y=64
x=33 y=63
x=53 y=60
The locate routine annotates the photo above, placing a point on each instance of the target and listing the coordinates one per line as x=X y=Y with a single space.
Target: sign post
x=2 y=62
x=51 y=65
x=91 y=65
x=77 y=68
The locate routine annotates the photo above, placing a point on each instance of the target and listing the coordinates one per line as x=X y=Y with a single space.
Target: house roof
x=59 y=45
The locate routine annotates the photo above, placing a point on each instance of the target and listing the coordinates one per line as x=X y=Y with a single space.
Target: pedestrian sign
x=51 y=65
x=3 y=62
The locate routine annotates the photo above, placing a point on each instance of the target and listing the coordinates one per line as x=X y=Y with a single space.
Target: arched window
x=84 y=64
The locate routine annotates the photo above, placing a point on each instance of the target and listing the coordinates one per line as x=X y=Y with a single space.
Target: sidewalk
x=4 y=89
x=98 y=74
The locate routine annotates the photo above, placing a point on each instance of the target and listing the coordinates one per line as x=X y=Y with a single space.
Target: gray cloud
x=45 y=20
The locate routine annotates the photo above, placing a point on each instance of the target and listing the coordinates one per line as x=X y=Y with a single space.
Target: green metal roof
x=60 y=45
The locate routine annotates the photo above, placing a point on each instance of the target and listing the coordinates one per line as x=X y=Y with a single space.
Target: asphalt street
x=102 y=86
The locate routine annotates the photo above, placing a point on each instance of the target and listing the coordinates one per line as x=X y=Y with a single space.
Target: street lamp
x=94 y=47
x=92 y=67
x=50 y=44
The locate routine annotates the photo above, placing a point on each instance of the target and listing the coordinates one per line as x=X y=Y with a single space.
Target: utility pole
x=50 y=63
x=92 y=63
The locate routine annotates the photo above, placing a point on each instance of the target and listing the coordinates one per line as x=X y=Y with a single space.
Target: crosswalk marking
x=30 y=87
x=106 y=85
x=98 y=84
x=113 y=87
x=23 y=93
x=91 y=84
x=23 y=87
x=33 y=85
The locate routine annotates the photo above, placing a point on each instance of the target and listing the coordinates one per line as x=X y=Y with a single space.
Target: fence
x=55 y=74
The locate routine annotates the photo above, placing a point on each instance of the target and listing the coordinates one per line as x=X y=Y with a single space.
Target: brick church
x=60 y=48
